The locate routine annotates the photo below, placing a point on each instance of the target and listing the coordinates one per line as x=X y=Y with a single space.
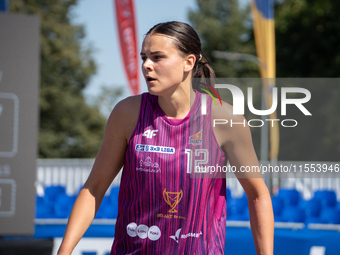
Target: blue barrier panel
x=289 y=241
x=286 y=241
x=239 y=240
x=58 y=230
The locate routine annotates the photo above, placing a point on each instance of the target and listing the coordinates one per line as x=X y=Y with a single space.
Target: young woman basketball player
x=162 y=208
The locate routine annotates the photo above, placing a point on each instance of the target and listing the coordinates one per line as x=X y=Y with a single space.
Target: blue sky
x=99 y=20
x=101 y=32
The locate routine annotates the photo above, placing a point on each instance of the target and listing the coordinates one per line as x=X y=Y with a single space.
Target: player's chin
x=154 y=93
x=153 y=90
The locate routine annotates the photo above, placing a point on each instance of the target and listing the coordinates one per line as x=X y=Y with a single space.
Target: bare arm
x=261 y=214
x=108 y=162
x=237 y=142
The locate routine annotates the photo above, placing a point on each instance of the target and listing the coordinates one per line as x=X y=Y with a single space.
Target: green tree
x=224 y=26
x=307 y=38
x=308 y=45
x=108 y=98
x=69 y=128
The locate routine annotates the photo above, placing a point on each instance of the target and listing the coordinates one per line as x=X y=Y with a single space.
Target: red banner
x=128 y=41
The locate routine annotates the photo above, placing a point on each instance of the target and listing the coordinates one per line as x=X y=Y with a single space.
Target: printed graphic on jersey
x=196 y=139
x=150 y=133
x=148 y=166
x=143 y=231
x=131 y=229
x=170 y=216
x=156 y=149
x=154 y=233
x=178 y=235
x=172 y=199
x=161 y=195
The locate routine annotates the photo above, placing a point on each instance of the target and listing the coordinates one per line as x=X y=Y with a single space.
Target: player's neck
x=177 y=104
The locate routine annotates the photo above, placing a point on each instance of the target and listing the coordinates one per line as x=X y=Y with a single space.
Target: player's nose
x=147 y=64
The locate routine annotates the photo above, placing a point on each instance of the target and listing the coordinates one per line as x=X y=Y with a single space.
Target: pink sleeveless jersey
x=161 y=208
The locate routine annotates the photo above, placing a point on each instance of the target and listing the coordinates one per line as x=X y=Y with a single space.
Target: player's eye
x=158 y=57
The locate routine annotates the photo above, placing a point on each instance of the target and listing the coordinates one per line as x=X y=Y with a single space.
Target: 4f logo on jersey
x=150 y=133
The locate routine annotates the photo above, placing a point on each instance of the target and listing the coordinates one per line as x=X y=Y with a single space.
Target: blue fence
x=238 y=239
x=288 y=206
x=295 y=235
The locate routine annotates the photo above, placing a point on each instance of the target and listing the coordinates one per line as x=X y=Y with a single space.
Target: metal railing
x=72 y=173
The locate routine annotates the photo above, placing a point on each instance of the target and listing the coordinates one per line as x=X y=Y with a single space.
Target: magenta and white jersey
x=161 y=208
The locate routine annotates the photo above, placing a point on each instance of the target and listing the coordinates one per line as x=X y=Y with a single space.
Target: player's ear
x=189 y=62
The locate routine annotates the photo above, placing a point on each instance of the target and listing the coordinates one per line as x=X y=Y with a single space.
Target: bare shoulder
x=233 y=135
x=111 y=155
x=124 y=116
x=227 y=126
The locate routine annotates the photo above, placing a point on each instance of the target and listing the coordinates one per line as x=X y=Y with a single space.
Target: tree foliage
x=223 y=26
x=69 y=128
x=307 y=45
x=307 y=38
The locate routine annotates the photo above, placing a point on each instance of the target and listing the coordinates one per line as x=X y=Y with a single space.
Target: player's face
x=164 y=66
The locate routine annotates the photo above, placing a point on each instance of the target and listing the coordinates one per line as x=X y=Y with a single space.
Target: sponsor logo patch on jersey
x=148 y=166
x=154 y=148
x=150 y=133
x=172 y=199
x=196 y=139
x=177 y=237
x=143 y=231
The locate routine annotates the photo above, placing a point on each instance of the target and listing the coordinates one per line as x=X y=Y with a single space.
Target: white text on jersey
x=150 y=133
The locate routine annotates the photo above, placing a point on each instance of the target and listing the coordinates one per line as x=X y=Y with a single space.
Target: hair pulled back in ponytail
x=187 y=42
x=203 y=68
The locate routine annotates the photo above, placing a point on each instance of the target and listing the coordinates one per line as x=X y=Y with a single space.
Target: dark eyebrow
x=152 y=53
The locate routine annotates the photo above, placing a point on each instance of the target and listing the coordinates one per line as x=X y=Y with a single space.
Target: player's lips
x=150 y=79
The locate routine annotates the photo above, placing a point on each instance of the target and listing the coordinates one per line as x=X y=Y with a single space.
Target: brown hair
x=187 y=42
